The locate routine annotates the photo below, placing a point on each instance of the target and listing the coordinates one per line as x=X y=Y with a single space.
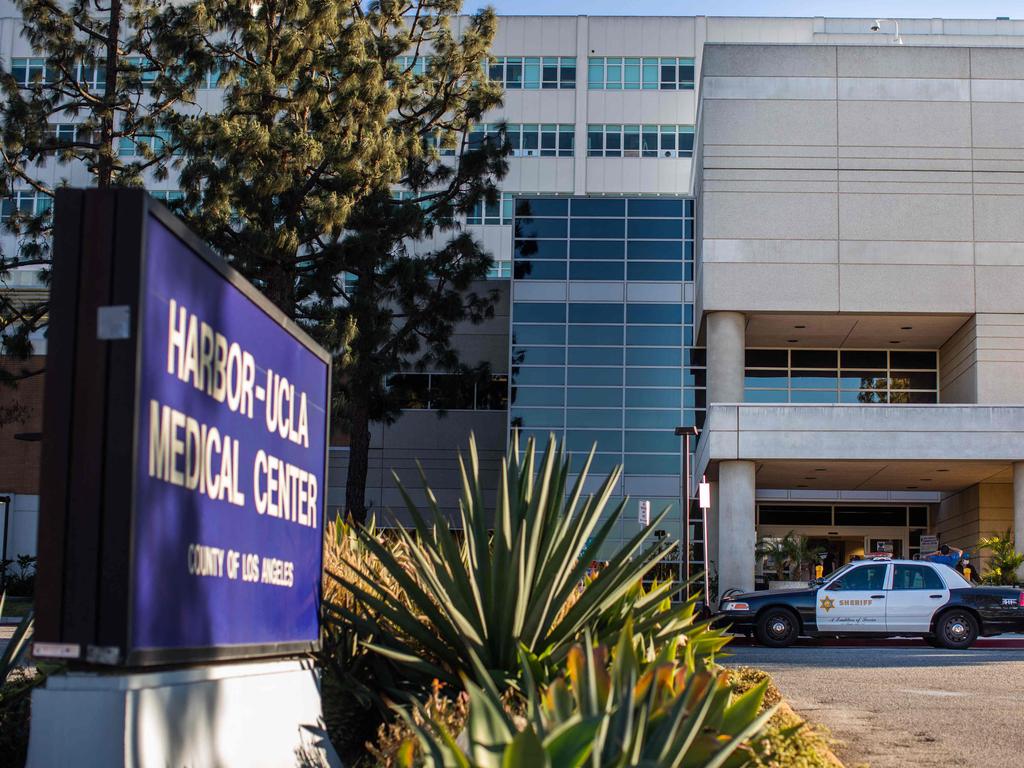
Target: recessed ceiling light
x=819 y=469
x=911 y=487
x=810 y=478
x=801 y=486
x=925 y=479
x=894 y=342
x=942 y=470
x=792 y=341
x=906 y=327
x=800 y=326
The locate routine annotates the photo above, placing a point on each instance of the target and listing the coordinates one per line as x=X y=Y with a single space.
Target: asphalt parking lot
x=905 y=706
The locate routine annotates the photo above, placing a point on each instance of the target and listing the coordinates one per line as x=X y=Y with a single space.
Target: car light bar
x=1020 y=599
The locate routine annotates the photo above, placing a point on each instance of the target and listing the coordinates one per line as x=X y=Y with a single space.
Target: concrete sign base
x=263 y=713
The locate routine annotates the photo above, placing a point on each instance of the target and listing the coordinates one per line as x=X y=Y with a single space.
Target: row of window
x=604 y=207
x=602 y=312
x=617 y=73
x=533 y=72
x=450 y=392
x=29 y=202
x=616 y=140
x=611 y=73
x=597 y=418
x=841 y=376
x=648 y=357
x=837 y=514
x=614 y=231
x=530 y=139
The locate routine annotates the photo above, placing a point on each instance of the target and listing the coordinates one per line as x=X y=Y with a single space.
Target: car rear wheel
x=777 y=628
x=956 y=629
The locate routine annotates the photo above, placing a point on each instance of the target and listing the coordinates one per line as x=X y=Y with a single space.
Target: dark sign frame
x=91 y=437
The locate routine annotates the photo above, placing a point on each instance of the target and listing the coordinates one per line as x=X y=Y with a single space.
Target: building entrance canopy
x=857 y=447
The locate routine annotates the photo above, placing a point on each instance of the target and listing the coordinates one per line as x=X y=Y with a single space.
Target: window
x=449 y=392
x=533 y=72
x=615 y=73
x=27 y=202
x=841 y=376
x=915 y=577
x=863 y=578
x=138 y=146
x=444 y=146
x=27 y=71
x=499 y=212
x=530 y=139
x=143 y=67
x=613 y=140
x=167 y=196
x=417 y=65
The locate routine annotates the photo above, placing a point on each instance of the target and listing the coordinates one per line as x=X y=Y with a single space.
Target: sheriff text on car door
x=855 y=601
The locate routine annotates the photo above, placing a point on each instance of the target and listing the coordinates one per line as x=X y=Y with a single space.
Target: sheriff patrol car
x=879 y=597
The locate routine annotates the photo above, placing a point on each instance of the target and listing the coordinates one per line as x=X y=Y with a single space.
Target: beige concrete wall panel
x=655 y=36
x=889 y=89
x=905 y=124
x=935 y=187
x=1000 y=289
x=769 y=151
x=999 y=218
x=769 y=122
x=659 y=107
x=905 y=217
x=771 y=287
x=908 y=163
x=998 y=63
x=997 y=125
x=737 y=185
x=809 y=162
x=1004 y=91
x=773 y=216
x=536 y=106
x=770 y=251
x=1016 y=166
x=903 y=154
x=760 y=87
x=895 y=61
x=905 y=253
x=769 y=61
x=912 y=288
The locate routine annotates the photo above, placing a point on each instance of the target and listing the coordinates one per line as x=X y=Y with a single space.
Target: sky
x=961 y=9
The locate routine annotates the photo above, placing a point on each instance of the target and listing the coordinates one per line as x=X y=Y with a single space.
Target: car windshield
x=837 y=572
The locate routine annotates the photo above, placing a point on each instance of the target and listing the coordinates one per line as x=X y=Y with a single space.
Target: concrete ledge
x=263 y=713
x=892 y=433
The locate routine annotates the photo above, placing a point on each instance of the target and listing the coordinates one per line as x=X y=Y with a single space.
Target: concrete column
x=1018 y=510
x=734 y=519
x=726 y=344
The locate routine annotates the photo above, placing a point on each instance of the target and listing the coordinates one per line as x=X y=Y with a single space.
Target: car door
x=854 y=601
x=917 y=592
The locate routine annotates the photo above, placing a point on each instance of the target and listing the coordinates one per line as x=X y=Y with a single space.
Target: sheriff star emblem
x=827 y=604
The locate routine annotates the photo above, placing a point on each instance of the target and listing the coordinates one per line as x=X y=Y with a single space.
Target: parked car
x=879 y=597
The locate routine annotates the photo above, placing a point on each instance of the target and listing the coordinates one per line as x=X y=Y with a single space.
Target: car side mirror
x=836 y=585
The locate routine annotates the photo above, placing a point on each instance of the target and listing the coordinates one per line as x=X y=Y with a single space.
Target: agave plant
x=631 y=712
x=517 y=575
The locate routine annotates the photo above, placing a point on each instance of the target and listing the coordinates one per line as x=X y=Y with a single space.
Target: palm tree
x=777 y=550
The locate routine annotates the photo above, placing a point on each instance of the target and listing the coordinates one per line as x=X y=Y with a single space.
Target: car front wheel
x=777 y=628
x=956 y=629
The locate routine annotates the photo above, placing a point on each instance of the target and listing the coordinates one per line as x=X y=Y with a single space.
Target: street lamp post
x=685 y=433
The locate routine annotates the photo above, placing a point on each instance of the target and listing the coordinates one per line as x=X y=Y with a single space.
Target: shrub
x=1003 y=562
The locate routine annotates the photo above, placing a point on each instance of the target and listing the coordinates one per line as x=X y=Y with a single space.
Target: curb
x=982 y=642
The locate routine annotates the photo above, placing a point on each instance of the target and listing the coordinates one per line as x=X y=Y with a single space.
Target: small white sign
x=114 y=322
x=644 y=516
x=704 y=495
x=929 y=543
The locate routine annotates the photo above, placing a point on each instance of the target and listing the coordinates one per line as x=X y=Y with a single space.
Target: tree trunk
x=358 y=463
x=105 y=156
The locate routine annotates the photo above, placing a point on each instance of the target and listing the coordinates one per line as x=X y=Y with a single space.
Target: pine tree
x=328 y=106
x=84 y=111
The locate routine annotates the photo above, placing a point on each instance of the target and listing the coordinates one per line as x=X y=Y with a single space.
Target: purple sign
x=229 y=486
